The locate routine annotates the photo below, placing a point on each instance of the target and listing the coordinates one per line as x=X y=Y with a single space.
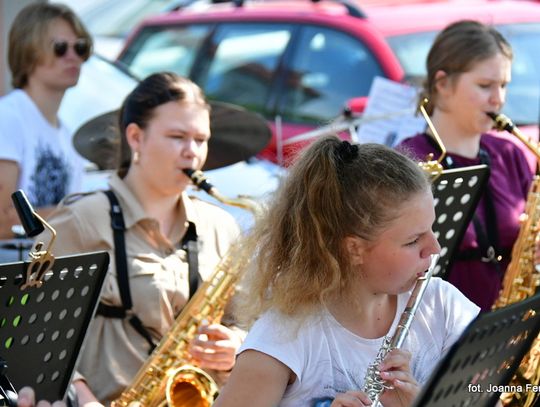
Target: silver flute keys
x=373 y=383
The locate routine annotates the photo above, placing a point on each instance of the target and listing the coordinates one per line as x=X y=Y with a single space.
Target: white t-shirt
x=50 y=168
x=329 y=359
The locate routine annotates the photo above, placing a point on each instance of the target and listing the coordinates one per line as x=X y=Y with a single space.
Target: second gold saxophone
x=169 y=377
x=521 y=278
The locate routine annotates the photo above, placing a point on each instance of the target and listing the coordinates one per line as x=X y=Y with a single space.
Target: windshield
x=117 y=18
x=522 y=101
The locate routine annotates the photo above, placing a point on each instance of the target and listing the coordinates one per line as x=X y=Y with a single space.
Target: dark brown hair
x=138 y=107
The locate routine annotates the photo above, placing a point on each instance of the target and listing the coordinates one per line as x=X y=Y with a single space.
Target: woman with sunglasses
x=47 y=46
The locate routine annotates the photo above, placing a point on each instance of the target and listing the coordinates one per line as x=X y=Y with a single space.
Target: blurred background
x=306 y=67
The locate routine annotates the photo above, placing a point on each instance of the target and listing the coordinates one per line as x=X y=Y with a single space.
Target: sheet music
x=396 y=101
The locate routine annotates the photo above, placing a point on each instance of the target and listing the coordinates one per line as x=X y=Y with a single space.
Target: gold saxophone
x=521 y=278
x=432 y=167
x=169 y=376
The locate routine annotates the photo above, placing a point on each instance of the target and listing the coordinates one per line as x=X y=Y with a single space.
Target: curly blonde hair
x=334 y=190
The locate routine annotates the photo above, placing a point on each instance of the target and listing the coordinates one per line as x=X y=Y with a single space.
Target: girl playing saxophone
x=468 y=68
x=165 y=128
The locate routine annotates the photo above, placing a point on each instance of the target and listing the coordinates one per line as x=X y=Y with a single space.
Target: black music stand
x=456 y=192
x=42 y=328
x=487 y=355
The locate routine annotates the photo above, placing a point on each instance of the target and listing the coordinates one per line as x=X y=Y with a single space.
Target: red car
x=299 y=62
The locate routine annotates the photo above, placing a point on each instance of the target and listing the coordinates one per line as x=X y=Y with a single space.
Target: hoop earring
x=136 y=157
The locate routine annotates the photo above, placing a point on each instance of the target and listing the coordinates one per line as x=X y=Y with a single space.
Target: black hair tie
x=347 y=152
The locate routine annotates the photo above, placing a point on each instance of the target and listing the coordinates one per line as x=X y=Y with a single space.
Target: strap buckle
x=491 y=256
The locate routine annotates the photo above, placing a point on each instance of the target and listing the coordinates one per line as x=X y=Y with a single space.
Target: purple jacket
x=509 y=183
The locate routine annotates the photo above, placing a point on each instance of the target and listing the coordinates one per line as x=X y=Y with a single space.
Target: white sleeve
x=459 y=312
x=279 y=338
x=11 y=136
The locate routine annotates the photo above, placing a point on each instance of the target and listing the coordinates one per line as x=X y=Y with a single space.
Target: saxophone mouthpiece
x=188 y=171
x=502 y=122
x=199 y=179
x=493 y=115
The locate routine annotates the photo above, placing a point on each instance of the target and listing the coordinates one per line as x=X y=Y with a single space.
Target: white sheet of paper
x=393 y=105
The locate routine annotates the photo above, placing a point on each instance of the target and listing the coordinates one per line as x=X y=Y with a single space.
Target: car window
x=522 y=99
x=165 y=49
x=328 y=68
x=117 y=18
x=243 y=62
x=412 y=50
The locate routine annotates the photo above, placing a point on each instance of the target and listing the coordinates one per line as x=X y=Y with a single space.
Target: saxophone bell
x=190 y=386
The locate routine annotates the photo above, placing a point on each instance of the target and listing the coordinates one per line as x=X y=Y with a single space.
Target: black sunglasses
x=81 y=48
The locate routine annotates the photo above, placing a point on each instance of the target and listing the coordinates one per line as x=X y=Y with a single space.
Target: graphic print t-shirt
x=50 y=168
x=328 y=359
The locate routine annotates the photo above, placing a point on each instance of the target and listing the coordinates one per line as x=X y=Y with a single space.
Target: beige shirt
x=158 y=272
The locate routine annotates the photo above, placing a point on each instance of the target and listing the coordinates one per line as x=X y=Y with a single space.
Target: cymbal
x=237 y=135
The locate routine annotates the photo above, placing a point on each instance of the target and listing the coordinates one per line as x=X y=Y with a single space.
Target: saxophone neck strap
x=119 y=226
x=487 y=234
x=190 y=246
x=189 y=243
